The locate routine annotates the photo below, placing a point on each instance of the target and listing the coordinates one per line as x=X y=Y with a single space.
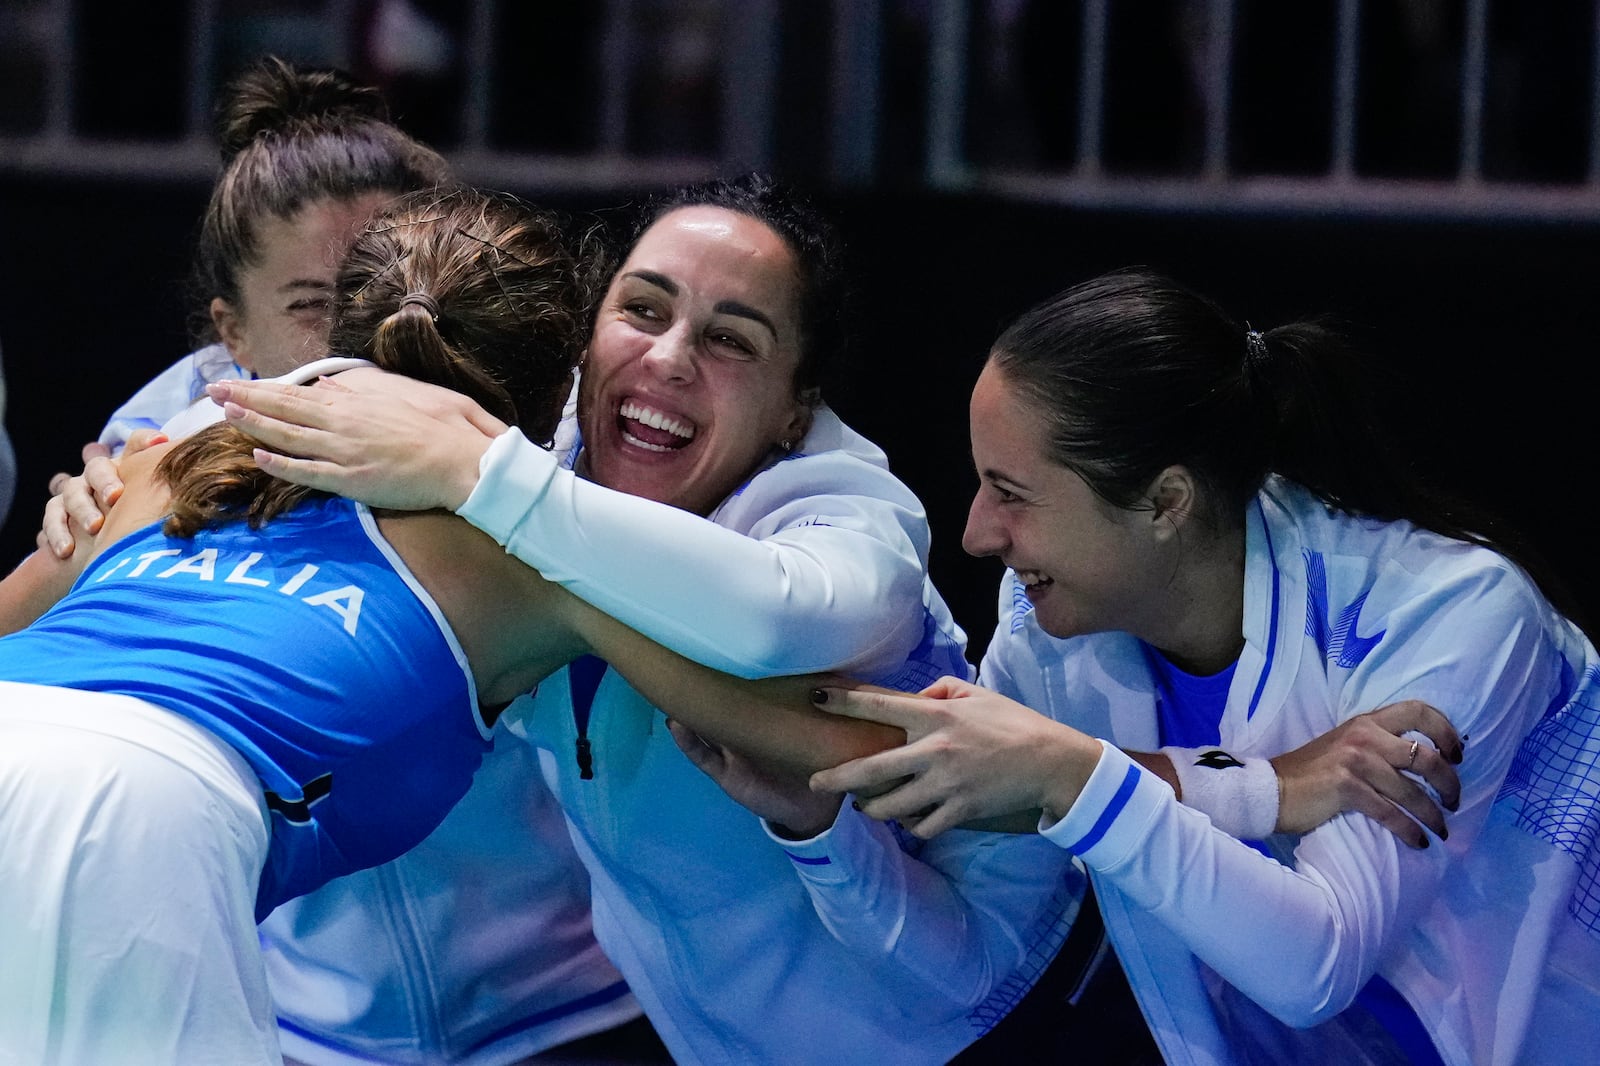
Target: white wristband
x=1239 y=795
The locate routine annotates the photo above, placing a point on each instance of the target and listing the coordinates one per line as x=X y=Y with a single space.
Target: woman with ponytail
x=1211 y=550
x=245 y=689
x=307 y=155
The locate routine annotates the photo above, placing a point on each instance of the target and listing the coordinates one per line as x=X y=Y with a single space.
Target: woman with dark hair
x=1210 y=548
x=307 y=155
x=252 y=688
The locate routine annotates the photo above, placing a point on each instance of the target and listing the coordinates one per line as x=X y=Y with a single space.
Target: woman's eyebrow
x=734 y=307
x=722 y=307
x=305 y=283
x=660 y=281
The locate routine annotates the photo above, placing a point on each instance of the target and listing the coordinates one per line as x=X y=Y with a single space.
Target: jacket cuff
x=1109 y=819
x=512 y=475
x=834 y=855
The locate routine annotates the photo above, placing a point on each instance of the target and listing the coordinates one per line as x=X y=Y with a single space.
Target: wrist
x=788 y=832
x=1070 y=759
x=799 y=825
x=461 y=477
x=1238 y=793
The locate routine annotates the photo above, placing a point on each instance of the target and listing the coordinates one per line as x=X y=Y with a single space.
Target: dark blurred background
x=1425 y=170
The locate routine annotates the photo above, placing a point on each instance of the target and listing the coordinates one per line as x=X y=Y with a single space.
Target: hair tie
x=1255 y=346
x=422 y=300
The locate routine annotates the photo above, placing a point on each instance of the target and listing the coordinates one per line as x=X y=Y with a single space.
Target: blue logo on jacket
x=1337 y=638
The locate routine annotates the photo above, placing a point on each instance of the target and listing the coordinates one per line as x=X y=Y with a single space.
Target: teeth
x=646 y=445
x=656 y=420
x=1031 y=578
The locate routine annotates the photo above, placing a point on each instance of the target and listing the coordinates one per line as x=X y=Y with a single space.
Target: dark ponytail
x=1134 y=372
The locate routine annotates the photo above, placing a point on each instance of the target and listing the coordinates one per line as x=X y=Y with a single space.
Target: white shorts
x=131 y=844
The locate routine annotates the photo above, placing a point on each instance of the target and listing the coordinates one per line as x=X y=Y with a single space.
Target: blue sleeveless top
x=310 y=648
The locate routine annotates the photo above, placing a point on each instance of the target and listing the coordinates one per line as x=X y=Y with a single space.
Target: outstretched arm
x=977 y=755
x=771 y=722
x=828 y=544
x=516 y=628
x=1353 y=891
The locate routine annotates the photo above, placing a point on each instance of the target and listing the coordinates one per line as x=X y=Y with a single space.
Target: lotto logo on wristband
x=1217 y=759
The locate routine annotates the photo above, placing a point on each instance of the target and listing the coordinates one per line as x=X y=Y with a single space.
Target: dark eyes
x=720 y=338
x=311 y=303
x=731 y=341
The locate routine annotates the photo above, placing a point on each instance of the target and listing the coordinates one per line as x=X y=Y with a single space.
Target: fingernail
x=820 y=695
x=217 y=390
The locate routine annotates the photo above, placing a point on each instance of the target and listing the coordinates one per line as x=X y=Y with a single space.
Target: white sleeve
x=974 y=917
x=828 y=578
x=1302 y=942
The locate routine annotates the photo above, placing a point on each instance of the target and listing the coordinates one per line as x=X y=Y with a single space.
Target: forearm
x=771 y=721
x=1300 y=942
x=34 y=586
x=951 y=928
x=834 y=592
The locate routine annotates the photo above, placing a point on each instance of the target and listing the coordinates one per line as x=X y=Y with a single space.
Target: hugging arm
x=979 y=757
x=79 y=503
x=844 y=567
x=769 y=721
x=364 y=444
x=35 y=585
x=1354 y=889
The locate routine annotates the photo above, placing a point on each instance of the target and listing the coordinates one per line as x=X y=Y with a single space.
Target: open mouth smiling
x=1033 y=581
x=653 y=430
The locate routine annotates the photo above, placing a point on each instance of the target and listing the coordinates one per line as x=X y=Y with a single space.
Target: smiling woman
x=1210 y=545
x=689 y=382
x=306 y=157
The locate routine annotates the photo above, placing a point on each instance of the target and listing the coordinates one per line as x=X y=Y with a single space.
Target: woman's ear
x=800 y=424
x=1174 y=496
x=230 y=331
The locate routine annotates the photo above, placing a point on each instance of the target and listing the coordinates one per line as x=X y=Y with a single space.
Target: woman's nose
x=983 y=536
x=672 y=356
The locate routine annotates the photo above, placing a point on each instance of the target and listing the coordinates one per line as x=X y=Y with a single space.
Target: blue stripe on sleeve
x=1130 y=781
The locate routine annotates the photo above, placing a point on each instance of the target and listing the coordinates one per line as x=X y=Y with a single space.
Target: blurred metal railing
x=858 y=125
